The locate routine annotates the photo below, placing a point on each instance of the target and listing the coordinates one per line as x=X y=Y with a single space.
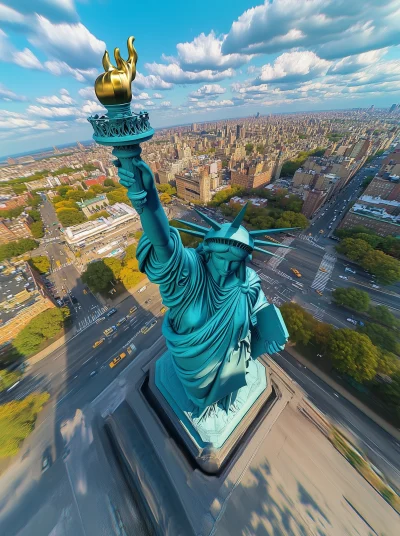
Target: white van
x=142 y=289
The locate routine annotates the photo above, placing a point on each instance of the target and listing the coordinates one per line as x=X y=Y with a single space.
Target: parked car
x=350 y=270
x=343 y=277
x=352 y=321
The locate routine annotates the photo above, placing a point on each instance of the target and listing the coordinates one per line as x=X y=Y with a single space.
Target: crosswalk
x=92 y=317
x=267 y=279
x=317 y=312
x=310 y=240
x=274 y=262
x=58 y=268
x=322 y=277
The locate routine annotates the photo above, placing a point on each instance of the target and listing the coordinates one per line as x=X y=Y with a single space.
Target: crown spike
x=216 y=226
x=273 y=244
x=255 y=248
x=239 y=218
x=189 y=231
x=194 y=226
x=270 y=231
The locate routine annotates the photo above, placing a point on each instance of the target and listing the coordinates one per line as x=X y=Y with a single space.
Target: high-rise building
x=194 y=127
x=314 y=199
x=392 y=108
x=194 y=186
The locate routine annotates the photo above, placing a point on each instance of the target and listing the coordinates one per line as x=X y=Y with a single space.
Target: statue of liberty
x=218 y=320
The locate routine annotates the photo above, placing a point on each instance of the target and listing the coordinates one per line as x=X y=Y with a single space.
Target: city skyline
x=200 y=64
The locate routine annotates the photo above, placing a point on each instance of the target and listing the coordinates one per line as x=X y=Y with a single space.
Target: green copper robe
x=207 y=327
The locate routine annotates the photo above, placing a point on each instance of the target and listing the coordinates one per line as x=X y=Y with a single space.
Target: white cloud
x=293 y=66
x=157 y=96
x=141 y=96
x=175 y=74
x=215 y=103
x=149 y=103
x=165 y=104
x=351 y=64
x=55 y=100
x=207 y=90
x=204 y=53
x=69 y=43
x=8 y=95
x=151 y=82
x=87 y=92
x=60 y=68
x=93 y=107
x=64 y=91
x=53 y=112
x=334 y=28
x=27 y=59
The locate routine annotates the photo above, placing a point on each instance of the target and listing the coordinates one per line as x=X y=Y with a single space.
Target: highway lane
x=382 y=449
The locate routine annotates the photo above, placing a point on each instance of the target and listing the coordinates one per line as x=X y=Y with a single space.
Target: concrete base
x=179 y=488
x=212 y=430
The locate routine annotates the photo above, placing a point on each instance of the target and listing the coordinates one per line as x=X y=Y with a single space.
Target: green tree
x=383 y=337
x=138 y=235
x=118 y=195
x=352 y=298
x=165 y=199
x=110 y=183
x=225 y=195
x=260 y=148
x=42 y=327
x=299 y=323
x=68 y=217
x=386 y=268
x=391 y=246
x=17 y=421
x=353 y=353
x=381 y=314
x=354 y=249
x=11 y=212
x=13 y=249
x=130 y=275
x=388 y=363
x=166 y=189
x=37 y=229
x=389 y=393
x=322 y=334
x=100 y=214
x=130 y=253
x=249 y=148
x=115 y=266
x=35 y=215
x=40 y=263
x=97 y=276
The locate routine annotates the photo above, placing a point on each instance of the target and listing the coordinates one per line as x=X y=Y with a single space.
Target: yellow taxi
x=319 y=292
x=97 y=343
x=132 y=310
x=322 y=270
x=163 y=310
x=296 y=272
x=116 y=360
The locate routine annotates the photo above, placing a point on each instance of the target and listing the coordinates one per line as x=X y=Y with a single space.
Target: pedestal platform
x=180 y=486
x=210 y=439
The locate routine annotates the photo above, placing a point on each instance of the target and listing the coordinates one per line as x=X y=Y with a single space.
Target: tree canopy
x=354 y=354
x=40 y=263
x=42 y=327
x=299 y=323
x=381 y=336
x=13 y=249
x=17 y=421
x=352 y=298
x=98 y=276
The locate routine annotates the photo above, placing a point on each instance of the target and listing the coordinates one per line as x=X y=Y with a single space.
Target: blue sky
x=197 y=60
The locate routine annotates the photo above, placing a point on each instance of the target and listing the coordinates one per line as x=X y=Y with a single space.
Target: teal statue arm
x=152 y=216
x=269 y=335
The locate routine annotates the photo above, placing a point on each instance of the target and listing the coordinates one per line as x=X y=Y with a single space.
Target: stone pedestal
x=211 y=438
x=180 y=485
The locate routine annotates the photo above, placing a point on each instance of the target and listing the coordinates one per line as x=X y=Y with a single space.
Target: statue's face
x=226 y=259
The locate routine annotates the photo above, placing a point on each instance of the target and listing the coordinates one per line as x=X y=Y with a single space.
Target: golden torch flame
x=114 y=85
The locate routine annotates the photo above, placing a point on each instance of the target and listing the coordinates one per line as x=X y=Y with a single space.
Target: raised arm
x=154 y=220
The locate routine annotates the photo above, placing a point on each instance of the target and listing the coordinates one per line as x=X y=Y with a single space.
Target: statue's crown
x=114 y=85
x=233 y=233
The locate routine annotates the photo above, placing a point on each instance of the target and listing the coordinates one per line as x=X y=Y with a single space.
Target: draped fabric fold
x=207 y=327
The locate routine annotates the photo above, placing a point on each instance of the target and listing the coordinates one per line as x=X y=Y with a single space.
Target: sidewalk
x=390 y=429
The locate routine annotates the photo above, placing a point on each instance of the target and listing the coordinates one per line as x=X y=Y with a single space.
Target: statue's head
x=227 y=258
x=227 y=246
